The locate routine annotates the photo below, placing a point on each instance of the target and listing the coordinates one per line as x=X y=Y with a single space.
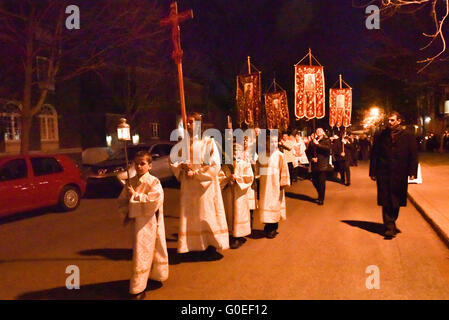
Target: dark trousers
x=345 y=175
x=270 y=227
x=292 y=172
x=319 y=182
x=390 y=215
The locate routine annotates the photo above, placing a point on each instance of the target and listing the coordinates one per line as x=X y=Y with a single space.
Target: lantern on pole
x=124 y=134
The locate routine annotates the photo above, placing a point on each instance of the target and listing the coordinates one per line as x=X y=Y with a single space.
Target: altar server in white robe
x=250 y=156
x=202 y=222
x=142 y=202
x=274 y=177
x=235 y=180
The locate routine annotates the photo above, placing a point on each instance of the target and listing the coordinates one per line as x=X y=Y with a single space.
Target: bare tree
x=34 y=34
x=438 y=16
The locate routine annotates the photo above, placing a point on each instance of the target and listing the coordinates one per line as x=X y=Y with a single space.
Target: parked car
x=35 y=181
x=113 y=169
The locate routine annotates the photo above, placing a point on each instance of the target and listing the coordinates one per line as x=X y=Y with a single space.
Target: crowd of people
x=222 y=202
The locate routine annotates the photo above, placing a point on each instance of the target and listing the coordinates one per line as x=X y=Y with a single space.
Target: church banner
x=309 y=92
x=249 y=98
x=276 y=108
x=340 y=107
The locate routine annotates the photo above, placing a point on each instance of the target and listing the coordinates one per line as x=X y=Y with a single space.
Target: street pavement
x=431 y=197
x=321 y=252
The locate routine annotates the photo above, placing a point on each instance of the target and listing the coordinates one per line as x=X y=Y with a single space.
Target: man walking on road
x=394 y=158
x=319 y=152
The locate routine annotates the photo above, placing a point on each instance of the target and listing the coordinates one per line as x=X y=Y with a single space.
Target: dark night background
x=277 y=34
x=139 y=80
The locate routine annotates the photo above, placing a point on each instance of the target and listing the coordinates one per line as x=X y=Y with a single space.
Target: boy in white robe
x=274 y=177
x=235 y=180
x=142 y=201
x=202 y=221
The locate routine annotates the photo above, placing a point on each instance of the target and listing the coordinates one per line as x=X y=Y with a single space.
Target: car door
x=48 y=179
x=16 y=189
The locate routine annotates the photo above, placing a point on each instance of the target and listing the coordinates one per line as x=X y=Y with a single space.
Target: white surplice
x=150 y=257
x=252 y=197
x=273 y=176
x=235 y=197
x=202 y=221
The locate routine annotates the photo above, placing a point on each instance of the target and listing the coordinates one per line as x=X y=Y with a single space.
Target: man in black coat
x=344 y=159
x=318 y=153
x=394 y=157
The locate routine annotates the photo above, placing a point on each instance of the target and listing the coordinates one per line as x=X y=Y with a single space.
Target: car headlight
x=118 y=169
x=102 y=172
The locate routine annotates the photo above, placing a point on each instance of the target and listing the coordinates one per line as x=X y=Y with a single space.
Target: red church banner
x=309 y=92
x=249 y=98
x=340 y=107
x=276 y=108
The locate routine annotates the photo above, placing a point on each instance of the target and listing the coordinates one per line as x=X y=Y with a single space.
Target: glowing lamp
x=123 y=131
x=108 y=141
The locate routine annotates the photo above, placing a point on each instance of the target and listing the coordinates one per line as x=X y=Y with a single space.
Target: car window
x=14 y=169
x=43 y=166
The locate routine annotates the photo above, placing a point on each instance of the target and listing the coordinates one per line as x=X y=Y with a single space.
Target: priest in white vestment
x=235 y=180
x=142 y=201
x=274 y=177
x=202 y=221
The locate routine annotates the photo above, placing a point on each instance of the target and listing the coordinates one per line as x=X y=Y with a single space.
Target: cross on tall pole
x=174 y=19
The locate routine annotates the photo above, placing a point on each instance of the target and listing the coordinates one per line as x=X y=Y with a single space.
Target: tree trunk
x=26 y=102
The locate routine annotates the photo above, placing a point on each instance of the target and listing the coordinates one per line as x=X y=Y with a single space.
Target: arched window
x=10 y=120
x=48 y=123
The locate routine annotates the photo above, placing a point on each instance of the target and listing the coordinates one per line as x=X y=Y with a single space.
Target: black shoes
x=139 y=296
x=271 y=234
x=235 y=243
x=391 y=232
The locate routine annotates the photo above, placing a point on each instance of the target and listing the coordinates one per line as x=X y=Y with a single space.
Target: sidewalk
x=431 y=198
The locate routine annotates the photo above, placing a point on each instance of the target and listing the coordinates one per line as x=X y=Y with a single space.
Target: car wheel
x=70 y=198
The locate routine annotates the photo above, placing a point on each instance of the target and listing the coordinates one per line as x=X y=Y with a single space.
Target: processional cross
x=173 y=20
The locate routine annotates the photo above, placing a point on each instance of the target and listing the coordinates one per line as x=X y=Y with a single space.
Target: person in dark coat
x=344 y=151
x=318 y=153
x=394 y=158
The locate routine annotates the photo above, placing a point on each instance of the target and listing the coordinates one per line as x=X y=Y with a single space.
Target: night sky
x=277 y=34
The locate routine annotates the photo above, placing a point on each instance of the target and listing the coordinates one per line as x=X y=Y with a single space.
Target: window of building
x=10 y=121
x=48 y=123
x=44 y=166
x=154 y=129
x=14 y=169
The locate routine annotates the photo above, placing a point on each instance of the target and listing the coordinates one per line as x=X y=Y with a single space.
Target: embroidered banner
x=340 y=107
x=249 y=96
x=309 y=92
x=276 y=108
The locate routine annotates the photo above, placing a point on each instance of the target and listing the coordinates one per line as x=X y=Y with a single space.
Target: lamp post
x=123 y=134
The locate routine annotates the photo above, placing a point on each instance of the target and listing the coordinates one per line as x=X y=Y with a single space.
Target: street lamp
x=374 y=112
x=123 y=134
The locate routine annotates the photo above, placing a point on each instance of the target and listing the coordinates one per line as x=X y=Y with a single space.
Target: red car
x=34 y=181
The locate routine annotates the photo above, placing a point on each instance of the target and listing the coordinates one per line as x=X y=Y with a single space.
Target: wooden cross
x=173 y=20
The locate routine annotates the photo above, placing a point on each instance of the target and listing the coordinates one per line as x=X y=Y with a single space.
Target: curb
x=443 y=235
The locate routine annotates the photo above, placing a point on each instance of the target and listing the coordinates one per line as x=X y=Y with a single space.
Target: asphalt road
x=321 y=252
